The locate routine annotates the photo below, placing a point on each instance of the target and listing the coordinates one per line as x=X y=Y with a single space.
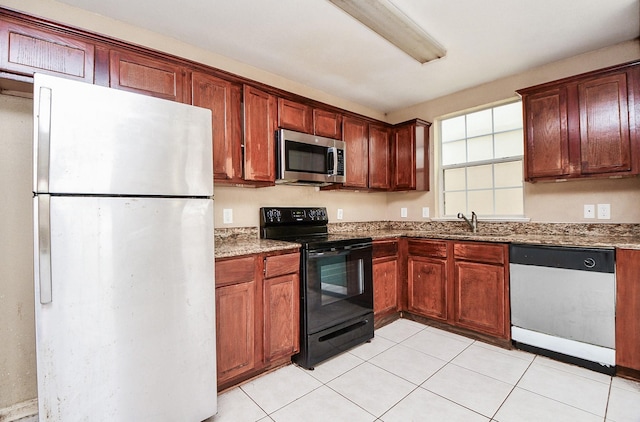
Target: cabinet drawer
x=385 y=248
x=430 y=248
x=480 y=252
x=236 y=270
x=281 y=264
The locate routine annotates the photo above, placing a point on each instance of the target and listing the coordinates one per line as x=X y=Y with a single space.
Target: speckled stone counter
x=559 y=234
x=243 y=241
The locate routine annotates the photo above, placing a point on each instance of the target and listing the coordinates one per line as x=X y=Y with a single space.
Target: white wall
x=543 y=202
x=17 y=329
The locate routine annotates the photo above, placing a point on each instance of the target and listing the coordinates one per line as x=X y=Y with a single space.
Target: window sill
x=487 y=220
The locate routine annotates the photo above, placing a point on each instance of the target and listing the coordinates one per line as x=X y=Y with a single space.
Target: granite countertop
x=245 y=241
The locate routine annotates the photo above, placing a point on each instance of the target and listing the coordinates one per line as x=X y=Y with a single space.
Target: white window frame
x=440 y=168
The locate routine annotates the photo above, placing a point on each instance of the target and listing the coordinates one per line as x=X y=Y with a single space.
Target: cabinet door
x=146 y=75
x=628 y=310
x=235 y=330
x=294 y=116
x=327 y=123
x=404 y=158
x=385 y=285
x=27 y=50
x=356 y=137
x=546 y=134
x=481 y=298
x=224 y=99
x=260 y=117
x=281 y=304
x=379 y=157
x=427 y=287
x=604 y=125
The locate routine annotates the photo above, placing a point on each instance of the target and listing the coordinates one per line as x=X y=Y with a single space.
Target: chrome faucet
x=473 y=223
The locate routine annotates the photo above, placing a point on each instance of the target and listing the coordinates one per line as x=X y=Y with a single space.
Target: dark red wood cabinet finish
x=583 y=126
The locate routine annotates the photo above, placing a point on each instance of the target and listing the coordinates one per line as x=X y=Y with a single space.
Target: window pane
x=508 y=174
x=509 y=202
x=509 y=144
x=480 y=148
x=494 y=138
x=453 y=129
x=480 y=177
x=507 y=117
x=453 y=153
x=455 y=202
x=479 y=123
x=454 y=179
x=481 y=202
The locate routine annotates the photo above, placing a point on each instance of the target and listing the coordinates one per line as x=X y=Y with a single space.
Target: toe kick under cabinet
x=463 y=284
x=257 y=314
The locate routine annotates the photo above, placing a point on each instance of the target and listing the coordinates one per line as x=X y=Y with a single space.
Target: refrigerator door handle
x=44 y=248
x=43 y=140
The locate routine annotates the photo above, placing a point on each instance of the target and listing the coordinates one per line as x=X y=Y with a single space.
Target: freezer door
x=129 y=332
x=90 y=139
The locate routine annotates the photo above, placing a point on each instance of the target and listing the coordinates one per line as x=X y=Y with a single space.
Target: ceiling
x=315 y=43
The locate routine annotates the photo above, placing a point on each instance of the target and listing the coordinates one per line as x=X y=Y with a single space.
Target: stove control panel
x=270 y=216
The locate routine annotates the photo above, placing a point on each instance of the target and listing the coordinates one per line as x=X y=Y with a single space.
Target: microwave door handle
x=333 y=160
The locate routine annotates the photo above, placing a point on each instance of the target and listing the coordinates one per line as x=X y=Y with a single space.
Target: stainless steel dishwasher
x=563 y=303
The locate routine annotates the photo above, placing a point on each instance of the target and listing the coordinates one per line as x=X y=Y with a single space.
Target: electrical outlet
x=227 y=215
x=340 y=214
x=425 y=212
x=604 y=211
x=403 y=212
x=589 y=211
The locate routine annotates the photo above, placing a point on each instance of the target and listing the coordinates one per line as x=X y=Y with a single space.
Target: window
x=481 y=162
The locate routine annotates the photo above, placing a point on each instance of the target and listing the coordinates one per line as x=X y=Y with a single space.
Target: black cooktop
x=307 y=226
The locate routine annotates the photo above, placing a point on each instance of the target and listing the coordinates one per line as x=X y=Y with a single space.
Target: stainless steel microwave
x=309 y=159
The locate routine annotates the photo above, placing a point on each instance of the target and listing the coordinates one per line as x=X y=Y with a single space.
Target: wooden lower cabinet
x=257 y=314
x=628 y=312
x=236 y=289
x=481 y=288
x=281 y=305
x=385 y=278
x=427 y=280
x=464 y=284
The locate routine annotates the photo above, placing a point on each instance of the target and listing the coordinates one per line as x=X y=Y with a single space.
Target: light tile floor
x=413 y=372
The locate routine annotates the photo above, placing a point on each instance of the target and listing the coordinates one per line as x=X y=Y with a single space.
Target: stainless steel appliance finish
x=336 y=308
x=309 y=159
x=124 y=264
x=563 y=302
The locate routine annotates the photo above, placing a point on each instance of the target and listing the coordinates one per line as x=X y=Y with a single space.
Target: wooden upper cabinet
x=224 y=99
x=294 y=116
x=355 y=133
x=379 y=157
x=27 y=50
x=260 y=120
x=147 y=75
x=547 y=134
x=583 y=126
x=327 y=123
x=404 y=157
x=604 y=125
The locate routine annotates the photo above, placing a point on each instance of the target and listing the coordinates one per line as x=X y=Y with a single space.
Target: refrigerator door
x=96 y=140
x=129 y=333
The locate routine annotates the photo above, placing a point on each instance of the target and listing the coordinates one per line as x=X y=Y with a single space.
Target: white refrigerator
x=124 y=260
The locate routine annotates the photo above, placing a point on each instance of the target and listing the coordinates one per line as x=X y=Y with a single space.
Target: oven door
x=337 y=285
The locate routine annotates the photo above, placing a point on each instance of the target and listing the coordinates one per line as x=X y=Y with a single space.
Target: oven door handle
x=337 y=251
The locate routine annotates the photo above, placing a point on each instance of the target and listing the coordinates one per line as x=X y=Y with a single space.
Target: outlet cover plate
x=604 y=211
x=589 y=211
